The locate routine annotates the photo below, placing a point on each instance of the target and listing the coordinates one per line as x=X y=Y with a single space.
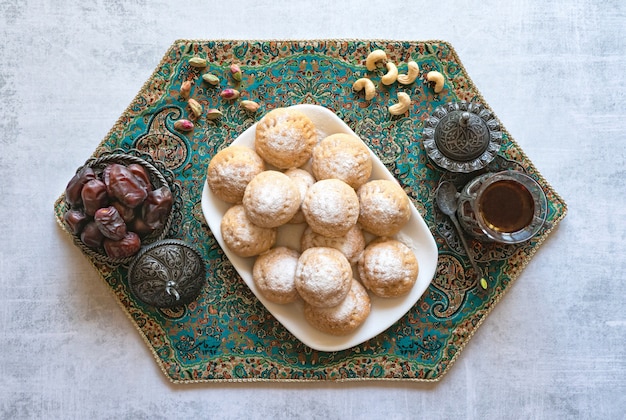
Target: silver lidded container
x=462 y=136
x=167 y=274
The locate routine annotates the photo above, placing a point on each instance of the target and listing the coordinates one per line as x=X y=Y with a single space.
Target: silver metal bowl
x=159 y=176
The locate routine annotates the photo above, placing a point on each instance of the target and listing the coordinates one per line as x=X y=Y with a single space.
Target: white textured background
x=554 y=73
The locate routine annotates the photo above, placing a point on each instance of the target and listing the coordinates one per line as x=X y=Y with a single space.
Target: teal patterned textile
x=227 y=334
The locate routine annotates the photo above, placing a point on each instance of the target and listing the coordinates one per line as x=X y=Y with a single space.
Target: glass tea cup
x=507 y=207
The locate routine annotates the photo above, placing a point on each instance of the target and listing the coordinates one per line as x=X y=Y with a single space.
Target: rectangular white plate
x=384 y=312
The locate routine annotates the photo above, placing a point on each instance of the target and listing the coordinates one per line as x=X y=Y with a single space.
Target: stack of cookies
x=294 y=177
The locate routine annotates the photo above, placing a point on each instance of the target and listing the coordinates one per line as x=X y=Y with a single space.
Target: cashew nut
x=412 y=73
x=375 y=58
x=436 y=78
x=367 y=84
x=404 y=101
x=391 y=75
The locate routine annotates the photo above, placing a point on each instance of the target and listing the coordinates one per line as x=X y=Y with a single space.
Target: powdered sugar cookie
x=351 y=244
x=388 y=268
x=271 y=199
x=303 y=180
x=323 y=276
x=285 y=138
x=343 y=318
x=274 y=274
x=243 y=237
x=230 y=171
x=331 y=207
x=342 y=156
x=384 y=207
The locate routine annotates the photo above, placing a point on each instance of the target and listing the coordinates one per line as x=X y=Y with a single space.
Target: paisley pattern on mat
x=163 y=143
x=227 y=334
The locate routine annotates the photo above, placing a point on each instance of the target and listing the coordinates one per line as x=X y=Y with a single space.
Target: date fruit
x=127 y=213
x=75 y=186
x=123 y=185
x=91 y=235
x=76 y=220
x=125 y=247
x=94 y=195
x=157 y=207
x=140 y=227
x=141 y=174
x=110 y=223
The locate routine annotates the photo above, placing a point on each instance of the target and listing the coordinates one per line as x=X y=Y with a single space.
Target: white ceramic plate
x=384 y=312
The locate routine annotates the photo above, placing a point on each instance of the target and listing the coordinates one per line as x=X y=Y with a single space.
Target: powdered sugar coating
x=384 y=207
x=274 y=274
x=343 y=318
x=323 y=276
x=342 y=156
x=285 y=138
x=230 y=171
x=271 y=199
x=303 y=180
x=241 y=236
x=351 y=244
x=388 y=268
x=331 y=207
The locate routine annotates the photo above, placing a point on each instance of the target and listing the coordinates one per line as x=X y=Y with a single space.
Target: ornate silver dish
x=462 y=136
x=167 y=273
x=159 y=176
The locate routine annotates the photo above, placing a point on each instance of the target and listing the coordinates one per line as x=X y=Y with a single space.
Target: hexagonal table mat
x=227 y=334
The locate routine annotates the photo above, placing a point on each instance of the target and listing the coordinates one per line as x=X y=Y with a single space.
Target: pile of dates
x=116 y=208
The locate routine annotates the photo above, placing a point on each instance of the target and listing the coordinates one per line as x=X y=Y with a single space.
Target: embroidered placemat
x=227 y=334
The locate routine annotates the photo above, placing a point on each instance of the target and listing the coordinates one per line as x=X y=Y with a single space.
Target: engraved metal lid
x=462 y=136
x=167 y=273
